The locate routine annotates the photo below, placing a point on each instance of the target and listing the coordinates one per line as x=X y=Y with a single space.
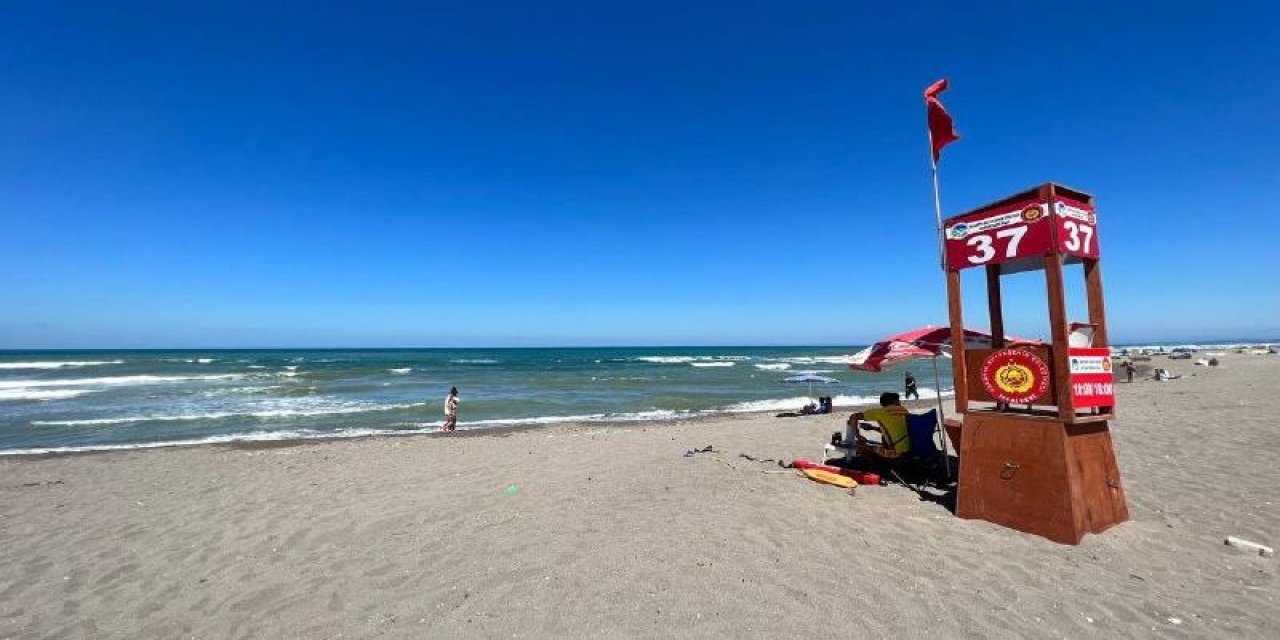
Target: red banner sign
x=999 y=234
x=1024 y=230
x=1092 y=382
x=1015 y=376
x=1077 y=227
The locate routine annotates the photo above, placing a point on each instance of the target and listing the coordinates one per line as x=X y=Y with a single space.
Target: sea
x=70 y=401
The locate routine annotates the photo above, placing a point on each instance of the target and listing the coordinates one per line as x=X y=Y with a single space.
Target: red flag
x=942 y=129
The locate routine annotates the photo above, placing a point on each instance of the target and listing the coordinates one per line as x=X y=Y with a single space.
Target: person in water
x=910 y=383
x=450 y=410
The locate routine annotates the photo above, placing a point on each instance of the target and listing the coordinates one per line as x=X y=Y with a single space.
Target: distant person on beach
x=451 y=410
x=892 y=419
x=910 y=383
x=1129 y=369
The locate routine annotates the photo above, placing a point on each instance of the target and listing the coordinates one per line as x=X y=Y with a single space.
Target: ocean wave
x=816 y=372
x=843 y=360
x=632 y=416
x=666 y=359
x=235 y=391
x=713 y=364
x=473 y=361
x=58 y=364
x=400 y=371
x=252 y=436
x=688 y=360
x=112 y=381
x=264 y=411
x=349 y=433
x=773 y=366
x=43 y=394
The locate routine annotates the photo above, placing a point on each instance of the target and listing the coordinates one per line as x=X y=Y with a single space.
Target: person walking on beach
x=911 y=391
x=1129 y=369
x=450 y=410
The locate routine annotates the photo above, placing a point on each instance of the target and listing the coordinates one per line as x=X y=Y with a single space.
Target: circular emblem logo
x=1015 y=376
x=959 y=230
x=1032 y=213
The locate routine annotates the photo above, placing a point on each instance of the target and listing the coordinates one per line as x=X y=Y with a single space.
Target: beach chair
x=924 y=458
x=848 y=448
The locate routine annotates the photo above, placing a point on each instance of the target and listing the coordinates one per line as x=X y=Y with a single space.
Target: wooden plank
x=955 y=311
x=1097 y=307
x=995 y=307
x=1058 y=326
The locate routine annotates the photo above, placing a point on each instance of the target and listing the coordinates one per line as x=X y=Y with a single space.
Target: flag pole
x=937 y=208
x=942 y=261
x=937 y=197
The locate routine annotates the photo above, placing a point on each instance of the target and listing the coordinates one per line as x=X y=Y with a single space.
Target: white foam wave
x=473 y=361
x=778 y=404
x=112 y=381
x=401 y=371
x=253 y=436
x=666 y=359
x=43 y=394
x=633 y=416
x=68 y=364
x=713 y=364
x=773 y=366
x=819 y=359
x=264 y=411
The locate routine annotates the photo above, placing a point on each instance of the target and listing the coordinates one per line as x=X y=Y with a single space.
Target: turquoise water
x=88 y=400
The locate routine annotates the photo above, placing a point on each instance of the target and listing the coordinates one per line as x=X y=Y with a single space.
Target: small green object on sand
x=511 y=490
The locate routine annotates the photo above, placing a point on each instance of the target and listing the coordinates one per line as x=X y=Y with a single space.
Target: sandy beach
x=577 y=531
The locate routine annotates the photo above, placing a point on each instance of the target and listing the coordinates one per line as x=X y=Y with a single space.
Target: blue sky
x=593 y=173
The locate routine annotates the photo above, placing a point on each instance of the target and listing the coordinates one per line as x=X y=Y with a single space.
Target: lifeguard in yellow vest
x=891 y=422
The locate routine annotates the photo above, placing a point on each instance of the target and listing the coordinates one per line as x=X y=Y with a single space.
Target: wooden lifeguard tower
x=1035 y=447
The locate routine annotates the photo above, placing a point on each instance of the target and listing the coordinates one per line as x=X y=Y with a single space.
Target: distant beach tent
x=811 y=379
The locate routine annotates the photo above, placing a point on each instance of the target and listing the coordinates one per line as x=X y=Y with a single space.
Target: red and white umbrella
x=926 y=342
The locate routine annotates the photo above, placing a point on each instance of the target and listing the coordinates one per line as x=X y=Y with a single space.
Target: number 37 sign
x=1019 y=233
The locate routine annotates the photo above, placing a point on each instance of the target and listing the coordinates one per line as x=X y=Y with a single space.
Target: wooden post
x=959 y=379
x=994 y=306
x=1097 y=309
x=1058 y=327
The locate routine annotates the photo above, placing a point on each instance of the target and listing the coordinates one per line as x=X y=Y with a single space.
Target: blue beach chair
x=924 y=458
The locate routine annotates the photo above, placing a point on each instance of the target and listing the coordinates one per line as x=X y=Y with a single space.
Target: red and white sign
x=1092 y=379
x=1077 y=227
x=1015 y=376
x=998 y=234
